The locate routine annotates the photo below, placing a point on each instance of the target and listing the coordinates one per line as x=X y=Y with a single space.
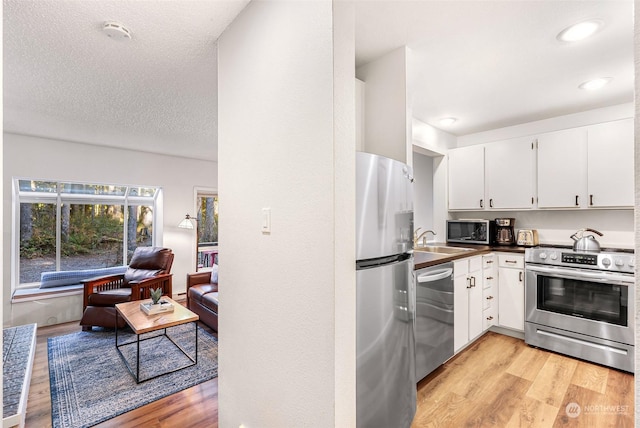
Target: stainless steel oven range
x=581 y=304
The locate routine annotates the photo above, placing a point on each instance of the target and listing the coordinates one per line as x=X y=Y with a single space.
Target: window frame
x=58 y=198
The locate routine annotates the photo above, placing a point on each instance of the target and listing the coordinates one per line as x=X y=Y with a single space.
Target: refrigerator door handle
x=435 y=276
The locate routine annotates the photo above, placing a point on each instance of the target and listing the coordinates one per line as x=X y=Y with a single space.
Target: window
x=207 y=217
x=72 y=226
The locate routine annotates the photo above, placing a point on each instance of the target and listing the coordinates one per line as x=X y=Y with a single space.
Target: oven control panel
x=580 y=259
x=612 y=261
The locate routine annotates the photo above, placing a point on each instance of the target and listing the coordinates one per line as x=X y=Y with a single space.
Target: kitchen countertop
x=423 y=259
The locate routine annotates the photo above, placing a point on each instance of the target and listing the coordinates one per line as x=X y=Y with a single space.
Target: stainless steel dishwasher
x=434 y=318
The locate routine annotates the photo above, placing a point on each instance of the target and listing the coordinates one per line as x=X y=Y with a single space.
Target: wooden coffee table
x=142 y=323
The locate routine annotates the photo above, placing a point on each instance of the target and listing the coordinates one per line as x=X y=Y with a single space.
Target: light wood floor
x=498 y=381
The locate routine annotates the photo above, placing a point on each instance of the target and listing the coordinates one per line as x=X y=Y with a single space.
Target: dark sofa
x=202 y=296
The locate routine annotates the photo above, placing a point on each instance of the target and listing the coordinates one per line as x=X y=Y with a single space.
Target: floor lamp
x=188 y=223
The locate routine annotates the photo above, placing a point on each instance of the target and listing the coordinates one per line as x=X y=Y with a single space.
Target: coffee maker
x=505 y=233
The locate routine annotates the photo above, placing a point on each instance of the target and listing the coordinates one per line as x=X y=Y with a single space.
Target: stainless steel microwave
x=470 y=231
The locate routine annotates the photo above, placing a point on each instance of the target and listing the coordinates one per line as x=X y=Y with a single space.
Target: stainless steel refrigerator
x=385 y=293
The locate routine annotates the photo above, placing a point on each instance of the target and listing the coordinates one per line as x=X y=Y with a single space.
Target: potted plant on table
x=156 y=306
x=156 y=294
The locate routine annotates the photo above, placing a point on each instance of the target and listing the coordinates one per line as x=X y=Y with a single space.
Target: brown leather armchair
x=150 y=267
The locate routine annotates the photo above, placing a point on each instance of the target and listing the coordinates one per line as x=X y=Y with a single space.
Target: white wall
x=637 y=202
x=360 y=118
x=432 y=144
x=279 y=147
x=345 y=132
x=431 y=141
x=440 y=197
x=555 y=227
x=32 y=157
x=387 y=118
x=423 y=194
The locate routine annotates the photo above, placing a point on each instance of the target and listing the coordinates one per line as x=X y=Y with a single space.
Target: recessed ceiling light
x=579 y=31
x=447 y=121
x=116 y=30
x=594 y=84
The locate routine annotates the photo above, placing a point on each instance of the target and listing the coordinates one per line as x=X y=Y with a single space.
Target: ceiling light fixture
x=579 y=31
x=594 y=84
x=116 y=30
x=447 y=121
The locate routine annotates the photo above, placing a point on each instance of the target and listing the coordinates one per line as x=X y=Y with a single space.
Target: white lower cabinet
x=489 y=291
x=467 y=301
x=511 y=291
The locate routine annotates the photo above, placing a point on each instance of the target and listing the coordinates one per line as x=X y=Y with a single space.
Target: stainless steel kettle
x=582 y=242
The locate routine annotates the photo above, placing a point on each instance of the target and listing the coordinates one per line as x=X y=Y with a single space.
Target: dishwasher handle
x=435 y=276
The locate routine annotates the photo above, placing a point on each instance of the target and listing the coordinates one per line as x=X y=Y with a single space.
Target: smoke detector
x=116 y=30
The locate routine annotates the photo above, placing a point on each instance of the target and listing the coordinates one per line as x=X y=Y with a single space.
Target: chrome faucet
x=417 y=237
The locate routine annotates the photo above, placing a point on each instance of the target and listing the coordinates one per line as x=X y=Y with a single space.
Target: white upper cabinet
x=586 y=167
x=610 y=164
x=510 y=173
x=562 y=169
x=466 y=178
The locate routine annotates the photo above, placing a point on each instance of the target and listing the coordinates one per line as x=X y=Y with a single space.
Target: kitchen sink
x=443 y=249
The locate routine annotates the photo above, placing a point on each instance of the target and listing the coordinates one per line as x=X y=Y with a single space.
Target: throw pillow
x=214 y=274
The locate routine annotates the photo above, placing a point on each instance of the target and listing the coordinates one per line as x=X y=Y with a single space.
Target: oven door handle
x=603 y=277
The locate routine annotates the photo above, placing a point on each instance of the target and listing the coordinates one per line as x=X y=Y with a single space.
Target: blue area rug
x=91 y=384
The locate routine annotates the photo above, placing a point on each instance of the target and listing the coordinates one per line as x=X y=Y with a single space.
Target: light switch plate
x=266 y=220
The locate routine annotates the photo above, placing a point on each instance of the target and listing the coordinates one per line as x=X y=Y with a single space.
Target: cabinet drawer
x=489 y=278
x=489 y=298
x=488 y=261
x=511 y=261
x=489 y=317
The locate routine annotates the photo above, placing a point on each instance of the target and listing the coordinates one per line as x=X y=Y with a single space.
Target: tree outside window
x=70 y=226
x=207 y=216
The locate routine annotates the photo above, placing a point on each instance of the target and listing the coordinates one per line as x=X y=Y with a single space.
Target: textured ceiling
x=65 y=79
x=489 y=63
x=497 y=63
